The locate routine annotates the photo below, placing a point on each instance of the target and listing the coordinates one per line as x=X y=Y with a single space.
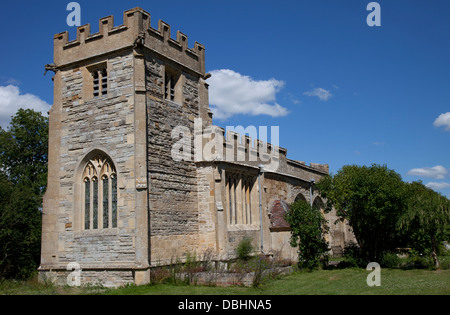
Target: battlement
x=250 y=147
x=234 y=147
x=324 y=168
x=243 y=149
x=136 y=31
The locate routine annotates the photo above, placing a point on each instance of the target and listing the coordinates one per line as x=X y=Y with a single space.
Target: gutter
x=261 y=170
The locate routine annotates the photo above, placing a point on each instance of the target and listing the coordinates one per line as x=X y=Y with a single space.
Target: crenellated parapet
x=136 y=31
x=234 y=147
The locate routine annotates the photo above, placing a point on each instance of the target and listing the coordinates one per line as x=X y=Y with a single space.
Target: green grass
x=33 y=287
x=323 y=282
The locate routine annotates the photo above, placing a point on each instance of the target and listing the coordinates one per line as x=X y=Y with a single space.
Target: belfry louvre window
x=169 y=91
x=99 y=194
x=239 y=190
x=173 y=85
x=100 y=77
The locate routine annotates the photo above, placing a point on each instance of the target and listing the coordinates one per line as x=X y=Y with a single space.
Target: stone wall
x=174 y=222
x=106 y=278
x=88 y=126
x=287 y=189
x=207 y=212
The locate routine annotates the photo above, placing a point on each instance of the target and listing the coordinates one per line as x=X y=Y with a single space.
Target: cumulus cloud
x=437 y=172
x=322 y=94
x=438 y=186
x=232 y=93
x=11 y=100
x=443 y=121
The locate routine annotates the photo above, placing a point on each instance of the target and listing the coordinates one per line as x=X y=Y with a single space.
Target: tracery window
x=99 y=194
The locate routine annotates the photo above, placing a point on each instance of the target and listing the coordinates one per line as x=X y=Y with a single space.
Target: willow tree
x=426 y=219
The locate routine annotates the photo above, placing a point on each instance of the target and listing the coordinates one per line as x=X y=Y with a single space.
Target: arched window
x=300 y=197
x=99 y=194
x=318 y=204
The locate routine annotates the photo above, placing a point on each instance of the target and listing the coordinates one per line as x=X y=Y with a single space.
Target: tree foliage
x=24 y=147
x=385 y=213
x=307 y=228
x=426 y=219
x=372 y=199
x=23 y=176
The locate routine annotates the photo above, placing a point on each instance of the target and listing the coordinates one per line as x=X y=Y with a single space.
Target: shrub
x=353 y=257
x=417 y=261
x=160 y=275
x=259 y=264
x=390 y=260
x=244 y=249
x=307 y=228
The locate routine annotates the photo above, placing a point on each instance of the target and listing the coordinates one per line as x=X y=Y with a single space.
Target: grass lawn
x=324 y=282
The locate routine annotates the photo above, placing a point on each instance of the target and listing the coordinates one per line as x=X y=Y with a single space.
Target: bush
x=390 y=260
x=417 y=262
x=160 y=275
x=353 y=257
x=244 y=249
x=307 y=228
x=258 y=265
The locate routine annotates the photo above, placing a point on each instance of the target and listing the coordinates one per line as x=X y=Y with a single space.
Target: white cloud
x=292 y=98
x=443 y=121
x=232 y=93
x=9 y=81
x=11 y=100
x=438 y=172
x=438 y=186
x=322 y=94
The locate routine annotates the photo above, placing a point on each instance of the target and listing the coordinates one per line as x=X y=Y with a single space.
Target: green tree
x=24 y=150
x=307 y=228
x=426 y=220
x=23 y=175
x=372 y=199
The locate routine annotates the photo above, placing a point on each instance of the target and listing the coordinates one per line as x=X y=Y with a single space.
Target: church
x=124 y=194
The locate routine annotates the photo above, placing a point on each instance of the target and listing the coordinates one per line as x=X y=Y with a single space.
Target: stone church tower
x=117 y=202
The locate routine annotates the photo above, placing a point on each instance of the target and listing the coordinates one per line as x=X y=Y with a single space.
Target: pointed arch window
x=99 y=194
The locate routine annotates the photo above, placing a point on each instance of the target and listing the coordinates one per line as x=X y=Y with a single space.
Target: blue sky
x=342 y=92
